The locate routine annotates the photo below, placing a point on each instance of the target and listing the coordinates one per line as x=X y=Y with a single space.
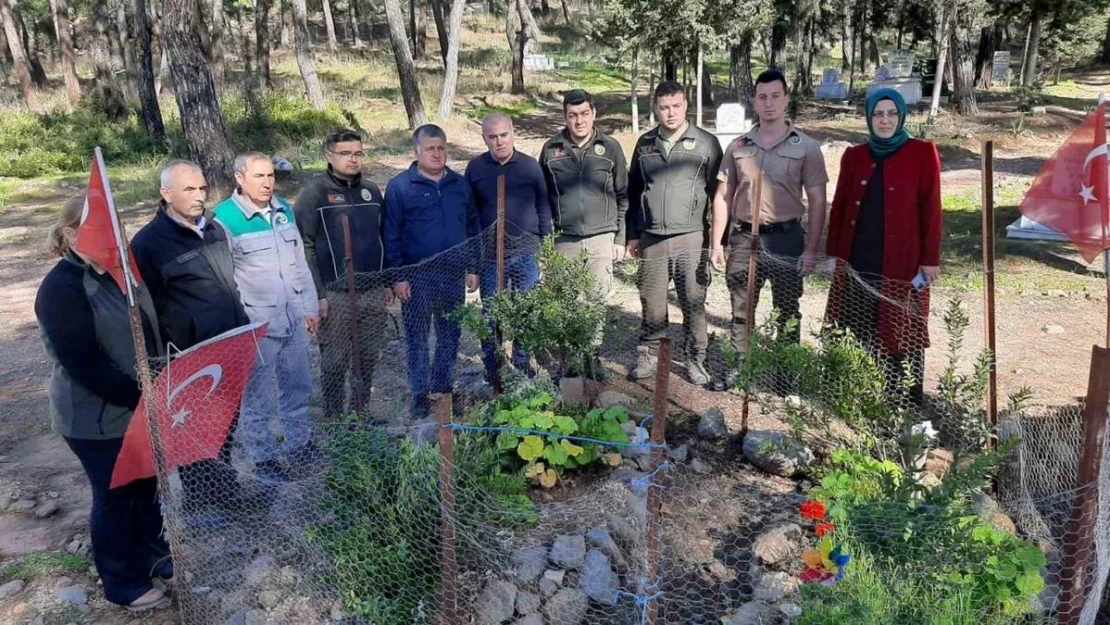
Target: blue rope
x=643 y=601
x=577 y=439
x=640 y=485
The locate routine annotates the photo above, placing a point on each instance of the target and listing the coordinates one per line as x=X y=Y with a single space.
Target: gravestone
x=1000 y=68
x=898 y=75
x=538 y=63
x=900 y=63
x=732 y=121
x=831 y=88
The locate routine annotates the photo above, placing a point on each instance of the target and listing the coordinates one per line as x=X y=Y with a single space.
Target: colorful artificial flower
x=813 y=510
x=824 y=529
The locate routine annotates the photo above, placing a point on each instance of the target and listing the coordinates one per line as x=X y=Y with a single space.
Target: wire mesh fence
x=840 y=468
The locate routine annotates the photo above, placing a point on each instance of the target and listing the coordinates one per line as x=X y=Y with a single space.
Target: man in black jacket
x=587 y=185
x=340 y=192
x=671 y=185
x=185 y=261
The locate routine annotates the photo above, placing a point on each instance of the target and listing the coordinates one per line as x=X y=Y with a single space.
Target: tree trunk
x=441 y=29
x=800 y=80
x=810 y=50
x=329 y=24
x=702 y=80
x=566 y=13
x=634 y=83
x=106 y=81
x=201 y=118
x=19 y=58
x=406 y=70
x=63 y=30
x=901 y=25
x=217 y=37
x=745 y=86
x=861 y=27
x=1104 y=57
x=125 y=25
x=418 y=23
x=780 y=32
x=1033 y=48
x=651 y=88
x=943 y=24
x=847 y=38
x=151 y=112
x=670 y=67
x=203 y=31
x=262 y=42
x=990 y=41
x=520 y=27
x=451 y=76
x=30 y=45
x=963 y=70
x=304 y=56
x=114 y=38
x=352 y=16
x=286 y=15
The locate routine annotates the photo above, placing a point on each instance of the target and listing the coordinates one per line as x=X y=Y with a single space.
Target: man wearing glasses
x=340 y=192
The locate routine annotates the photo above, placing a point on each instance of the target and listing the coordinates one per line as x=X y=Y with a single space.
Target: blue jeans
x=281 y=384
x=521 y=273
x=433 y=299
x=125 y=524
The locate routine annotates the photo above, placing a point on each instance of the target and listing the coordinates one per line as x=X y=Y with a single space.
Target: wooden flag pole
x=753 y=271
x=1106 y=252
x=988 y=279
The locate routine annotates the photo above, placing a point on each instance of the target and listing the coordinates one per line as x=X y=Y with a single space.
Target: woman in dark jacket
x=885 y=225
x=84 y=321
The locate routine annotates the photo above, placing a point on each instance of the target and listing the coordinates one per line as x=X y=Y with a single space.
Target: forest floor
x=1051 y=307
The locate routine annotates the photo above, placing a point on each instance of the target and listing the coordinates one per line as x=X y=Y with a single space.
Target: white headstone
x=882 y=74
x=900 y=63
x=831 y=88
x=732 y=121
x=1000 y=69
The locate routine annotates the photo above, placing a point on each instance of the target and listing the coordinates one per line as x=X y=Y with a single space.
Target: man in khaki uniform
x=790 y=162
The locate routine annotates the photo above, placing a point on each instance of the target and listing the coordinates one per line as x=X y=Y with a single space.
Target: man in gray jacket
x=671 y=184
x=276 y=286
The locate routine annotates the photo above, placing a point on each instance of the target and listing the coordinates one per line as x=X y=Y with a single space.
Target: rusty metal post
x=753 y=274
x=1079 y=536
x=498 y=387
x=449 y=610
x=654 y=545
x=988 y=280
x=352 y=313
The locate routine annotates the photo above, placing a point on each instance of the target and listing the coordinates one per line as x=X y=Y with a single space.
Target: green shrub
x=382 y=535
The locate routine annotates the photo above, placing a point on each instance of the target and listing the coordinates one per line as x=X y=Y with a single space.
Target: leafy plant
x=559 y=317
x=961 y=397
x=543 y=445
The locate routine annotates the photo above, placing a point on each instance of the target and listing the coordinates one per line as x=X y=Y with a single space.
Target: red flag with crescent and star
x=99 y=237
x=1070 y=192
x=196 y=399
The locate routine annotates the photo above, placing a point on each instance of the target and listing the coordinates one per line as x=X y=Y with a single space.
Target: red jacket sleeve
x=929 y=208
x=835 y=246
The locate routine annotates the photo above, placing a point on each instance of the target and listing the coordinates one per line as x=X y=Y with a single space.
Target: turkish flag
x=1070 y=192
x=196 y=398
x=100 y=238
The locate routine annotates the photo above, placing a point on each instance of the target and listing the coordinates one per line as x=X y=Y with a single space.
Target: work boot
x=696 y=373
x=646 y=364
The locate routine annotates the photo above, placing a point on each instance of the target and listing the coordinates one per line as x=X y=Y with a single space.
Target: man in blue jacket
x=527 y=219
x=430 y=216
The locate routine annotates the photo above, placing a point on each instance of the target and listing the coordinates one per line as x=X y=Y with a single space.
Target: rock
x=701 y=467
x=555 y=576
x=600 y=539
x=568 y=552
x=528 y=603
x=256 y=617
x=78 y=546
x=258 y=569
x=289 y=576
x=531 y=619
x=1001 y=521
x=613 y=399
x=567 y=607
x=337 y=611
x=1054 y=329
x=983 y=504
x=53 y=494
x=776 y=453
x=779 y=544
x=775 y=586
x=39 y=620
x=72 y=594
x=681 y=454
x=599 y=580
x=790 y=610
x=928 y=480
x=269 y=599
x=47 y=509
x=12 y=588
x=572 y=392
x=529 y=563
x=1039 y=110
x=21 y=506
x=712 y=425
x=751 y=613
x=547 y=587
x=623 y=532
x=496 y=602
x=1057 y=293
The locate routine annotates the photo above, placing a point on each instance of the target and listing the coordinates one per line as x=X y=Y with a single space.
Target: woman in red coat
x=885 y=225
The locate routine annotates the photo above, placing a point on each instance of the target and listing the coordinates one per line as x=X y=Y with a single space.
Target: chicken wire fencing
x=380 y=479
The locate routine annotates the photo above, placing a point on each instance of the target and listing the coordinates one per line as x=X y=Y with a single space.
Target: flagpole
x=1105 y=252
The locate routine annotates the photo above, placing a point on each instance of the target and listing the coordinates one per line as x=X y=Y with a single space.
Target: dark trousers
x=777 y=263
x=338 y=348
x=521 y=273
x=682 y=258
x=433 y=300
x=125 y=525
x=904 y=374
